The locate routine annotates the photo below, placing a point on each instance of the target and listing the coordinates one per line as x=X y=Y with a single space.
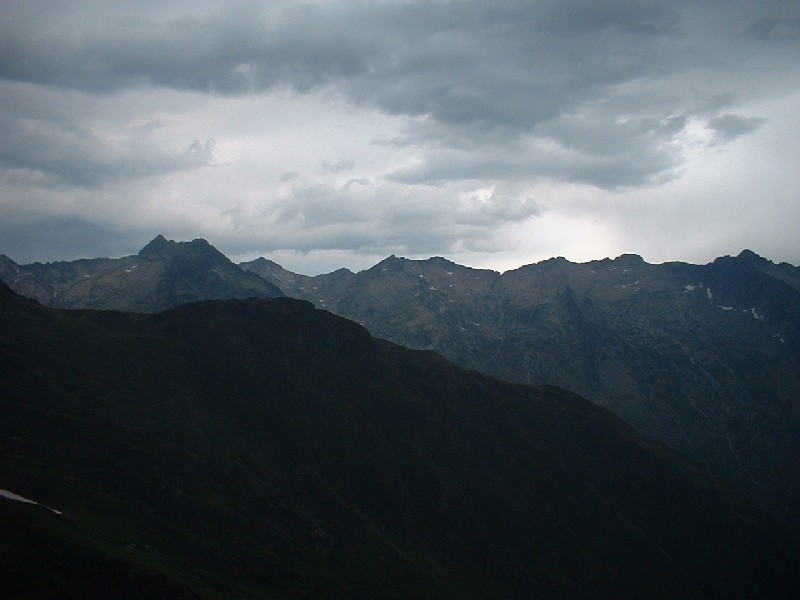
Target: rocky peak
x=747 y=253
x=392 y=262
x=629 y=259
x=158 y=247
x=197 y=251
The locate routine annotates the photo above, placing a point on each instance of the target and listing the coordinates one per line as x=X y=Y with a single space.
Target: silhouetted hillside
x=266 y=449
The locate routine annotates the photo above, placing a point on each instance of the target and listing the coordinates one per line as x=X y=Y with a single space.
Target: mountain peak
x=629 y=259
x=750 y=255
x=160 y=247
x=157 y=247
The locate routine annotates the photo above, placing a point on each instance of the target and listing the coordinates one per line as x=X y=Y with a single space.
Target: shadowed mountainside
x=266 y=449
x=704 y=358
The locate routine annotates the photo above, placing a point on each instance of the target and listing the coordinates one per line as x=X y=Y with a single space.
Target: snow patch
x=688 y=288
x=709 y=294
x=18 y=498
x=725 y=307
x=756 y=315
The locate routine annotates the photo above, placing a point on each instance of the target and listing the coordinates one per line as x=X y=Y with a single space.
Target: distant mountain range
x=263 y=448
x=703 y=358
x=164 y=274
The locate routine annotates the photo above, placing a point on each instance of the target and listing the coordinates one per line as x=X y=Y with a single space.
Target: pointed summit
x=751 y=257
x=159 y=246
x=747 y=253
x=162 y=275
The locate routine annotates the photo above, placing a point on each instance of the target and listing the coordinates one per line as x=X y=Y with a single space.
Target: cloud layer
x=420 y=127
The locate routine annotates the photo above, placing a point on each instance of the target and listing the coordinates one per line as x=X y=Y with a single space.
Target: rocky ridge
x=164 y=274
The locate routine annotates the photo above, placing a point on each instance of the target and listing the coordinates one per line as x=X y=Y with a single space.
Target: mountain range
x=164 y=274
x=263 y=448
x=702 y=358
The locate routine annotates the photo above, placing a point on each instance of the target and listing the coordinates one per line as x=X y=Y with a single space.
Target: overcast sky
x=334 y=133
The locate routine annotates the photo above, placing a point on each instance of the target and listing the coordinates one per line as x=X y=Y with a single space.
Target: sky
x=328 y=134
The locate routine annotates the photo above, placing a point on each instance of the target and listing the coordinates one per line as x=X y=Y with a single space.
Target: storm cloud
x=394 y=116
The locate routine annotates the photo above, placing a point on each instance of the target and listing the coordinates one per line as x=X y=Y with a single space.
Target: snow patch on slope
x=16 y=497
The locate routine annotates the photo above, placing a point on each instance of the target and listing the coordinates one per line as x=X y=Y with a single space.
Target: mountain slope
x=705 y=358
x=164 y=274
x=262 y=448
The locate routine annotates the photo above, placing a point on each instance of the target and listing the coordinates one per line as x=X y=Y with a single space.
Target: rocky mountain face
x=704 y=358
x=263 y=448
x=164 y=274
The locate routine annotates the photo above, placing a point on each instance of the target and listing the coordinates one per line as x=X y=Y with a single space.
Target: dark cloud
x=67 y=238
x=58 y=148
x=729 y=126
x=474 y=70
x=776 y=29
x=223 y=49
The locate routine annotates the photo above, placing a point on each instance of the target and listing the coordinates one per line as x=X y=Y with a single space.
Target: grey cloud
x=68 y=238
x=639 y=163
x=504 y=63
x=388 y=219
x=730 y=126
x=396 y=142
x=498 y=207
x=470 y=70
x=776 y=29
x=65 y=150
x=230 y=51
x=345 y=164
x=618 y=16
x=356 y=181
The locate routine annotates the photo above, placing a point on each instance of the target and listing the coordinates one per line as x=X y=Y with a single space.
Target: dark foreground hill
x=164 y=274
x=267 y=449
